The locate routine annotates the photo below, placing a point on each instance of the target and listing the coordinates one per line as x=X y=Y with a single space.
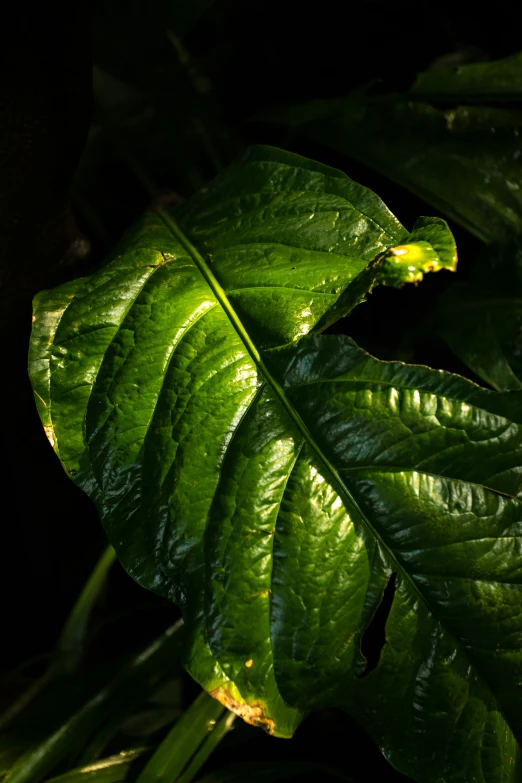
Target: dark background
x=254 y=56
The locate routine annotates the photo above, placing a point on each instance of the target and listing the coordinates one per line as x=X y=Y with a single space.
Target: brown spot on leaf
x=251 y=713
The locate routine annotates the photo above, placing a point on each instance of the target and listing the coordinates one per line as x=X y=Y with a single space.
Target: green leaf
x=272 y=483
x=500 y=80
x=482 y=320
x=465 y=161
x=218 y=732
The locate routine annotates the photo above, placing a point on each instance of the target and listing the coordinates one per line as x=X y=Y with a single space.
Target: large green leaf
x=272 y=482
x=464 y=161
x=482 y=320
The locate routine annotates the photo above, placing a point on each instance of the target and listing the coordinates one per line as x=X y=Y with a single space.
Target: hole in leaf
x=374 y=637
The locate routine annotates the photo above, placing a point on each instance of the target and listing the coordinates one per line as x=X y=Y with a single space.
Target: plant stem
x=183 y=741
x=70 y=646
x=214 y=738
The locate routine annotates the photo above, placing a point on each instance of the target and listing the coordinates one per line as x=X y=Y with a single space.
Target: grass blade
x=221 y=728
x=110 y=770
x=70 y=646
x=128 y=688
x=183 y=741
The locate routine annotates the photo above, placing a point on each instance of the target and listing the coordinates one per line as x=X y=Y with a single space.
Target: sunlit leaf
x=277 y=483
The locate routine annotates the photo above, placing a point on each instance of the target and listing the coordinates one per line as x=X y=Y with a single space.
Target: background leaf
x=474 y=82
x=482 y=320
x=465 y=160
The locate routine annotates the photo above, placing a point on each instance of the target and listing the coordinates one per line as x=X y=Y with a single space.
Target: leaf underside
x=271 y=480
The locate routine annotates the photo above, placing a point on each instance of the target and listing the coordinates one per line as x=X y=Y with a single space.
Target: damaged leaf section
x=251 y=713
x=431 y=247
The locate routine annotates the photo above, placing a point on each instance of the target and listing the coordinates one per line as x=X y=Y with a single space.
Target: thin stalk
x=71 y=642
x=94 y=749
x=214 y=738
x=183 y=741
x=24 y=700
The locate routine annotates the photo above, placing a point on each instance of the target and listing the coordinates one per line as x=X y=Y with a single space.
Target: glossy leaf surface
x=273 y=482
x=109 y=770
x=465 y=161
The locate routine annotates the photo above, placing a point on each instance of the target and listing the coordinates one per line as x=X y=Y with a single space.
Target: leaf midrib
x=298 y=422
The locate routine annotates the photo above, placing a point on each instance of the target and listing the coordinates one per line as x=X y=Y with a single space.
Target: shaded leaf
x=500 y=80
x=482 y=320
x=465 y=162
